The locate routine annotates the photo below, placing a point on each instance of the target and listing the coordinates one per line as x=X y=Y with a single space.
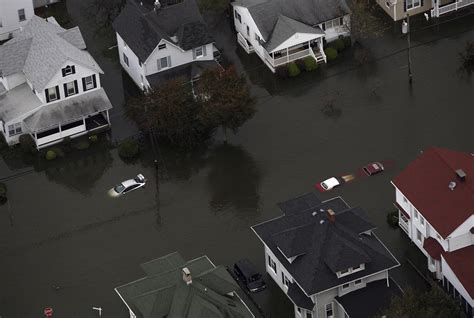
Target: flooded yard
x=60 y=228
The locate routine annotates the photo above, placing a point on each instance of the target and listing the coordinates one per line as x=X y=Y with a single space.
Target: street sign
x=48 y=312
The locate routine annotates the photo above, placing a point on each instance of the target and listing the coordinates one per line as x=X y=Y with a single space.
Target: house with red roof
x=435 y=199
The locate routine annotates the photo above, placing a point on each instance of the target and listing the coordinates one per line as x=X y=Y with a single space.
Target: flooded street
x=60 y=228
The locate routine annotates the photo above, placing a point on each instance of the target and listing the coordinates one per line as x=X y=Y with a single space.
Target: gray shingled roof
x=44 y=48
x=285 y=28
x=163 y=293
x=322 y=247
x=309 y=12
x=17 y=101
x=143 y=28
x=68 y=110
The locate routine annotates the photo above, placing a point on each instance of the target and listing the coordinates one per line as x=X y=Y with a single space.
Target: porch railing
x=286 y=58
x=244 y=44
x=436 y=12
x=59 y=135
x=403 y=222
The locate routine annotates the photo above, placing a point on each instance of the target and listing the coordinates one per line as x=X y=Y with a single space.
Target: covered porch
x=69 y=118
x=441 y=7
x=313 y=48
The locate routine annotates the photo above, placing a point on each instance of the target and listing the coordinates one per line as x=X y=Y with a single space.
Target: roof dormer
x=350 y=270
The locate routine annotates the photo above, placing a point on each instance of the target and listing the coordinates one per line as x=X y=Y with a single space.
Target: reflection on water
x=234 y=179
x=80 y=170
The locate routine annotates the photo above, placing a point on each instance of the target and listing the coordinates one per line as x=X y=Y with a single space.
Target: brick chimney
x=331 y=215
x=187 y=278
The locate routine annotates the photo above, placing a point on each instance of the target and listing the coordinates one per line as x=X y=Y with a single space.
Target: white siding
x=134 y=69
x=241 y=27
x=334 y=33
x=9 y=15
x=178 y=57
x=462 y=237
x=59 y=80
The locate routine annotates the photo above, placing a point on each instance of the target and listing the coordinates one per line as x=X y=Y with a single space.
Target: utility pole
x=406 y=30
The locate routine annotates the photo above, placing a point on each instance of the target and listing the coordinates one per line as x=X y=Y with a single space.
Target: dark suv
x=246 y=272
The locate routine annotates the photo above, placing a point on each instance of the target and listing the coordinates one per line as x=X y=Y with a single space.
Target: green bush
x=300 y=64
x=27 y=144
x=310 y=63
x=58 y=151
x=93 y=138
x=331 y=53
x=338 y=45
x=128 y=148
x=392 y=218
x=293 y=69
x=347 y=41
x=50 y=155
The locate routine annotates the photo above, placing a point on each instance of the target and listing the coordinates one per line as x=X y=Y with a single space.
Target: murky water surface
x=61 y=228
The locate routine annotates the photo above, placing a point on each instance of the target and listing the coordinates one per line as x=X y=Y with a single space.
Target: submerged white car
x=330 y=183
x=128 y=186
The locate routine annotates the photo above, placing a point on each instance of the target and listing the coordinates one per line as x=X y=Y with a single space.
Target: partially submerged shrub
x=338 y=45
x=310 y=63
x=128 y=148
x=3 y=193
x=347 y=41
x=392 y=218
x=50 y=155
x=93 y=138
x=293 y=69
x=27 y=144
x=331 y=53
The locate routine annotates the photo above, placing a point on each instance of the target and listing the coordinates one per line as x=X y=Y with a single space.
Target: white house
x=49 y=85
x=176 y=288
x=14 y=14
x=281 y=31
x=158 y=41
x=435 y=199
x=327 y=260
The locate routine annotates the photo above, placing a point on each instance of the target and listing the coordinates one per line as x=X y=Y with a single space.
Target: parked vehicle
x=128 y=186
x=330 y=183
x=373 y=168
x=248 y=275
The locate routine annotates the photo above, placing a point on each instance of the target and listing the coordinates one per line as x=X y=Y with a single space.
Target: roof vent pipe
x=452 y=185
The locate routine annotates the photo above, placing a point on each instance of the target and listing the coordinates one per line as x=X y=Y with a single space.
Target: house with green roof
x=175 y=288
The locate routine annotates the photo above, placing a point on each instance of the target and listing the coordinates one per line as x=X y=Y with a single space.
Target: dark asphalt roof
x=143 y=28
x=187 y=71
x=309 y=12
x=285 y=28
x=298 y=297
x=163 y=293
x=375 y=297
x=303 y=202
x=324 y=248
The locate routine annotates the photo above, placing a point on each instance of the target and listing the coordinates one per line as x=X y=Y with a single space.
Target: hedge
x=331 y=53
x=310 y=63
x=128 y=148
x=293 y=69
